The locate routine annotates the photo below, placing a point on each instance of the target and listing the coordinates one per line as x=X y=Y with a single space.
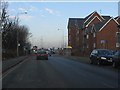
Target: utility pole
x=62 y=43
x=18 y=34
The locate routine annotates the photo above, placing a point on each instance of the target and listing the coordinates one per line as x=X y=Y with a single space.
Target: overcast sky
x=45 y=18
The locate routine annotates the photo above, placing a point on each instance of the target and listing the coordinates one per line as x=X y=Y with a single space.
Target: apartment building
x=93 y=31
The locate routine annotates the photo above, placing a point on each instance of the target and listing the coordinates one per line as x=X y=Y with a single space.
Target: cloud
x=32 y=8
x=28 y=9
x=25 y=17
x=22 y=9
x=12 y=10
x=11 y=17
x=42 y=15
x=53 y=12
x=22 y=17
x=49 y=10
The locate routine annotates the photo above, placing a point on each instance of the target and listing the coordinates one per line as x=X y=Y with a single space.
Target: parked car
x=42 y=54
x=101 y=56
x=116 y=59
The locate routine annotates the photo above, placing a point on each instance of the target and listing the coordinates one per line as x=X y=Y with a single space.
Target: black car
x=101 y=56
x=116 y=59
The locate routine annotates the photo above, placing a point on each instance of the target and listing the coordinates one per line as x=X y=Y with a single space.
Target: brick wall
x=109 y=35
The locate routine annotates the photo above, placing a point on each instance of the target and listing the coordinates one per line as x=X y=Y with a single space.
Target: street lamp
x=18 y=44
x=62 y=45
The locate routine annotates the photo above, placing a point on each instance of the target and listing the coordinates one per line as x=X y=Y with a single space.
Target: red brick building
x=93 y=31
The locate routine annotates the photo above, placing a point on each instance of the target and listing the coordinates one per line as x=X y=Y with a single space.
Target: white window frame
x=117 y=44
x=94 y=34
x=87 y=36
x=117 y=37
x=117 y=33
x=94 y=45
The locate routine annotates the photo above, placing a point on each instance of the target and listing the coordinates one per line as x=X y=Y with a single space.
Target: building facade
x=92 y=32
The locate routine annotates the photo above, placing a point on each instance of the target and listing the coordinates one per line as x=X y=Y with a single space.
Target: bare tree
x=12 y=33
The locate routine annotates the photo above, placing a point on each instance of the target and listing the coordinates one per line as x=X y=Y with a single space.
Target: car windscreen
x=41 y=52
x=105 y=52
x=117 y=54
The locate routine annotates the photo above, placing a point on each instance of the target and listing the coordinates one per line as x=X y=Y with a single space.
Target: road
x=58 y=72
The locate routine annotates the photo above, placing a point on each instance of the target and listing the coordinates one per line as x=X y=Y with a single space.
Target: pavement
x=9 y=63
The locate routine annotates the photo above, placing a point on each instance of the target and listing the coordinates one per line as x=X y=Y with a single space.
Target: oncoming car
x=42 y=54
x=101 y=56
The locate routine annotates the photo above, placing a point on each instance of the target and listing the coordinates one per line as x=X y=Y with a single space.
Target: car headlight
x=103 y=58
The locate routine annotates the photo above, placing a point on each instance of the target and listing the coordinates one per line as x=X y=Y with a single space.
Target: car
x=49 y=53
x=42 y=54
x=101 y=56
x=116 y=59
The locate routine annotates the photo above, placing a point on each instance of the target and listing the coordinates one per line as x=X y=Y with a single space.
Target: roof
x=89 y=15
x=116 y=18
x=80 y=22
x=99 y=25
x=76 y=22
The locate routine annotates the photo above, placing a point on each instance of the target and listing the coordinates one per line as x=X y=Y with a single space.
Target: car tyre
x=91 y=61
x=114 y=64
x=99 y=63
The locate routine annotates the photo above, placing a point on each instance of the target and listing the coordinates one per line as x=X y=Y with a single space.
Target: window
x=117 y=54
x=117 y=33
x=87 y=46
x=94 y=45
x=77 y=31
x=103 y=41
x=94 y=34
x=87 y=36
x=118 y=37
x=94 y=52
x=117 y=44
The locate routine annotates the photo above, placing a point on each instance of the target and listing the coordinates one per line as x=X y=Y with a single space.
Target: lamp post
x=18 y=44
x=62 y=45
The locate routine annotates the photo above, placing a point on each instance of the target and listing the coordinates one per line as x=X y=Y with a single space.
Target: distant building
x=93 y=31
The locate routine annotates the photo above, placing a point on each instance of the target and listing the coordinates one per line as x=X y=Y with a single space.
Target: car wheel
x=91 y=61
x=99 y=62
x=114 y=64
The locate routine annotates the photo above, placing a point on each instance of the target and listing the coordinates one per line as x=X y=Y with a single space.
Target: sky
x=47 y=21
